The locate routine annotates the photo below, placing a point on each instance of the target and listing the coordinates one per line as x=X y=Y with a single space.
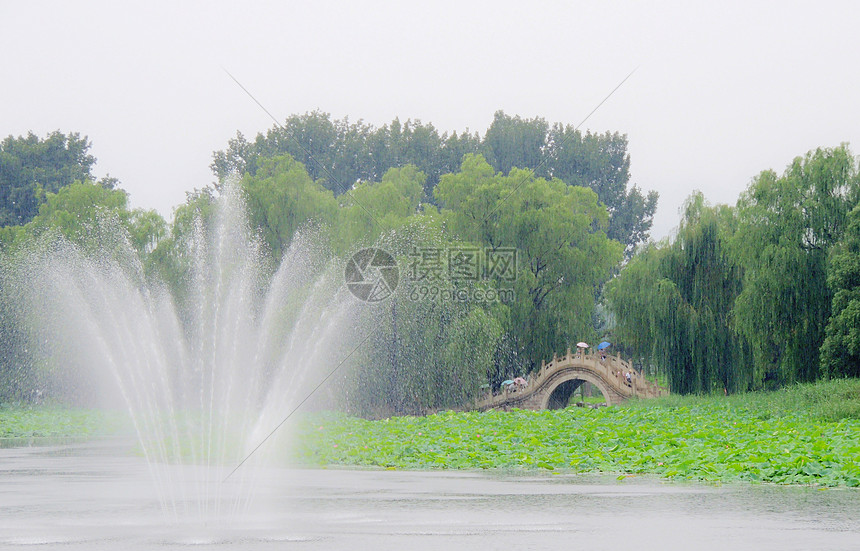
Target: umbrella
x=508 y=382
x=603 y=345
x=520 y=381
x=582 y=345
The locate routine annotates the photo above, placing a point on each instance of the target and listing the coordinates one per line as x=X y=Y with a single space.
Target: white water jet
x=205 y=384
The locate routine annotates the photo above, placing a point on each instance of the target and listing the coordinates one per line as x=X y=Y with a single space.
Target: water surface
x=99 y=496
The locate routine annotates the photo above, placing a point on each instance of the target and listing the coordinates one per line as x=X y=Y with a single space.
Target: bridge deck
x=606 y=371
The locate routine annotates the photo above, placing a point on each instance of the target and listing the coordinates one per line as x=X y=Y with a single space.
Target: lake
x=99 y=495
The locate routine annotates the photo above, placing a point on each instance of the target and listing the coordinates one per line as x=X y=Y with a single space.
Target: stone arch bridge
x=554 y=384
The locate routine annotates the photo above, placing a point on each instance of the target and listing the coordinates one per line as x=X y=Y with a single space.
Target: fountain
x=205 y=383
x=207 y=379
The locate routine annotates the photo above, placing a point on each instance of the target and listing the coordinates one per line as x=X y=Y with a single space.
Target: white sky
x=723 y=90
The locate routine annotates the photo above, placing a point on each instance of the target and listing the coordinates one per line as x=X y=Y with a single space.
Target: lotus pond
x=808 y=434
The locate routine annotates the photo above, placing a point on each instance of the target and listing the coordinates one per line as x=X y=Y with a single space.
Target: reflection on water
x=98 y=496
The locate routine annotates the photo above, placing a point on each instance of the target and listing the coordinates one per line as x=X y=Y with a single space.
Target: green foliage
x=146 y=229
x=673 y=302
x=17 y=378
x=428 y=355
x=75 y=209
x=94 y=218
x=515 y=142
x=825 y=400
x=741 y=297
x=57 y=422
x=596 y=161
x=564 y=255
x=630 y=220
x=786 y=227
x=373 y=208
x=31 y=168
x=340 y=154
x=631 y=297
x=171 y=260
x=281 y=197
x=840 y=353
x=430 y=351
x=365 y=185
x=753 y=438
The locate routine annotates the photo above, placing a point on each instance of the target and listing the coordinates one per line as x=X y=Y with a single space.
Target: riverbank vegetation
x=805 y=434
x=24 y=421
x=757 y=295
x=503 y=242
x=542 y=219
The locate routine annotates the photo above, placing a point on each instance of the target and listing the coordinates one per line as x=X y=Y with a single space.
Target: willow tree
x=840 y=353
x=672 y=304
x=630 y=298
x=563 y=255
x=93 y=218
x=281 y=197
x=372 y=209
x=426 y=351
x=786 y=227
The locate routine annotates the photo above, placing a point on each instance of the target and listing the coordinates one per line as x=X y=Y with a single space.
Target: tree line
x=339 y=153
x=756 y=295
x=414 y=199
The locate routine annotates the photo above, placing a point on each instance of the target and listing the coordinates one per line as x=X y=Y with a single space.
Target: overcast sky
x=723 y=90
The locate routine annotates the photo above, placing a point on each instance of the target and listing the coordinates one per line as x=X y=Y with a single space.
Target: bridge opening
x=571 y=391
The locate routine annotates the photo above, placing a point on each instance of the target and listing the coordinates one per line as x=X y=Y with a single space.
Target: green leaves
x=563 y=252
x=281 y=197
x=740 y=298
x=840 y=353
x=31 y=167
x=338 y=153
x=748 y=438
x=786 y=226
x=673 y=304
x=29 y=422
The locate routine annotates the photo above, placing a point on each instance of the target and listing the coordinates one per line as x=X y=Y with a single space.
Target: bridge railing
x=613 y=369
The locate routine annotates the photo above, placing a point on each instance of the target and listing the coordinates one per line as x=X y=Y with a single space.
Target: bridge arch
x=551 y=387
x=563 y=383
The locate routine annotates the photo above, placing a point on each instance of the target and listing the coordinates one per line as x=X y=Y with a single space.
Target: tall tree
x=340 y=154
x=840 y=353
x=597 y=161
x=31 y=167
x=601 y=162
x=786 y=227
x=281 y=197
x=373 y=208
x=558 y=232
x=673 y=305
x=94 y=219
x=516 y=142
